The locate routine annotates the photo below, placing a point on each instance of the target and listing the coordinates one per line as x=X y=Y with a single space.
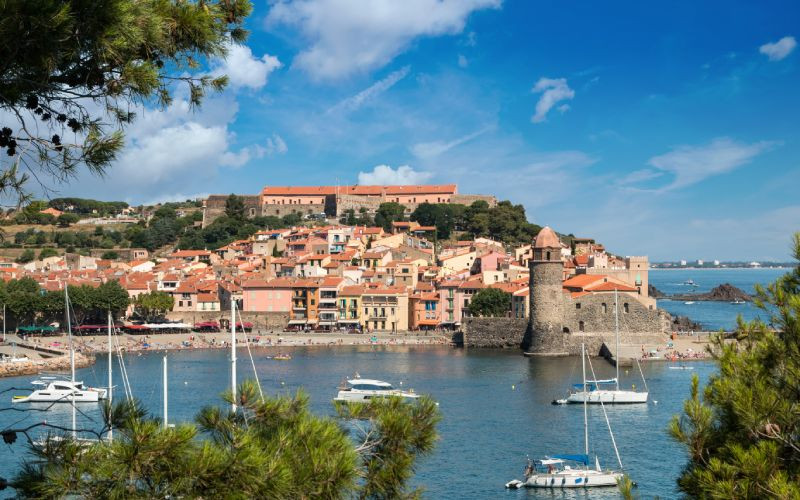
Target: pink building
x=267 y=296
x=450 y=300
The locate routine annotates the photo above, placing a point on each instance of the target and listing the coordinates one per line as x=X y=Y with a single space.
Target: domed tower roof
x=546 y=238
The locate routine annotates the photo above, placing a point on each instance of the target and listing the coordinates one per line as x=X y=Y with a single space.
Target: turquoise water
x=712 y=315
x=495 y=404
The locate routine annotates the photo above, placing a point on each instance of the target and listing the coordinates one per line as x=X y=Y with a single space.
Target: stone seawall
x=260 y=320
x=507 y=333
x=494 y=332
x=57 y=364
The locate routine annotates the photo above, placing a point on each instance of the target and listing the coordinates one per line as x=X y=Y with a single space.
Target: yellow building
x=385 y=308
x=349 y=302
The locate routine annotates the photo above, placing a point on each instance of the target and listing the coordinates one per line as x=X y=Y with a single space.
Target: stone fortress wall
x=214 y=205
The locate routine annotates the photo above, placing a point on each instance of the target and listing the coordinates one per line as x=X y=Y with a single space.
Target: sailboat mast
x=166 y=412
x=110 y=376
x=71 y=359
x=616 y=334
x=585 y=403
x=233 y=353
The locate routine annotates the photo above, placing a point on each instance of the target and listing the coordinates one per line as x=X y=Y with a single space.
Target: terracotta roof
x=547 y=238
x=610 y=287
x=357 y=190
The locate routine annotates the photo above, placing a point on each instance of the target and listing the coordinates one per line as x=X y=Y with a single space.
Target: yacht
x=574 y=470
x=364 y=389
x=55 y=390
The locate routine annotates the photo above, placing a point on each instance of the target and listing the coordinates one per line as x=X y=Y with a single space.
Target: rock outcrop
x=685 y=324
x=655 y=292
x=722 y=293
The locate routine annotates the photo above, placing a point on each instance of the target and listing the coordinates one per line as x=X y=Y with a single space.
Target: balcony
x=299 y=307
x=328 y=305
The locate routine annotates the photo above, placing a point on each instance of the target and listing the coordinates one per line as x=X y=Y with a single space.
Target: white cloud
x=780 y=49
x=553 y=90
x=462 y=61
x=245 y=70
x=435 y=148
x=384 y=175
x=352 y=103
x=692 y=164
x=276 y=145
x=354 y=36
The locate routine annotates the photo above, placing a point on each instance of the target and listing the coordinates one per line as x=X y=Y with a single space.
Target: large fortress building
x=336 y=200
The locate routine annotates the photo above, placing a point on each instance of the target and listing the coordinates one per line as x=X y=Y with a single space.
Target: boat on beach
x=363 y=389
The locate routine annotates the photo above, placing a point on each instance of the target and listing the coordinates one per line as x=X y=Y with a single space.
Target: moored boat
x=364 y=389
x=55 y=390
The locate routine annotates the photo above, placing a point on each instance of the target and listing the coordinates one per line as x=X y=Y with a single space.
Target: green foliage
x=66 y=220
x=153 y=305
x=26 y=256
x=226 y=229
x=267 y=448
x=490 y=302
x=110 y=255
x=87 y=206
x=234 y=207
x=72 y=70
x=444 y=216
x=743 y=434
x=47 y=252
x=387 y=213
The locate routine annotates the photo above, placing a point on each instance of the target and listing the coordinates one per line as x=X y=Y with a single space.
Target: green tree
x=110 y=296
x=47 y=252
x=234 y=207
x=153 y=305
x=71 y=70
x=82 y=302
x=22 y=299
x=742 y=434
x=389 y=212
x=26 y=256
x=110 y=255
x=66 y=220
x=490 y=302
x=267 y=448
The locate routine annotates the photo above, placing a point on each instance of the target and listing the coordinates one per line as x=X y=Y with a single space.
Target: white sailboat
x=597 y=391
x=57 y=390
x=571 y=470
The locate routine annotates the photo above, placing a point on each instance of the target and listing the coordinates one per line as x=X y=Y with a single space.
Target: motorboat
x=363 y=389
x=690 y=282
x=282 y=357
x=55 y=390
x=572 y=470
x=737 y=302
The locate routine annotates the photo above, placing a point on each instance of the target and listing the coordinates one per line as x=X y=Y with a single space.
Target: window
x=625 y=308
x=580 y=326
x=189 y=303
x=180 y=303
x=383 y=312
x=577 y=305
x=603 y=307
x=565 y=330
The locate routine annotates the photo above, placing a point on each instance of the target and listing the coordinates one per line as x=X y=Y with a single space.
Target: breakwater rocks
x=655 y=292
x=33 y=366
x=722 y=293
x=685 y=324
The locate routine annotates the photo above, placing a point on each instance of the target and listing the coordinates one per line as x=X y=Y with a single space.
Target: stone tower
x=546 y=301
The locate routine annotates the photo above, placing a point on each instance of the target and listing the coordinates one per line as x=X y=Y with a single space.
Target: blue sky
x=667 y=129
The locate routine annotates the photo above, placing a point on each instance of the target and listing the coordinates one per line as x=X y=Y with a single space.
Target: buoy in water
x=513 y=387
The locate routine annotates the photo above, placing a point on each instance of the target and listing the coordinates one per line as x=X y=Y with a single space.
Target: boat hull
x=583 y=479
x=607 y=397
x=53 y=397
x=362 y=397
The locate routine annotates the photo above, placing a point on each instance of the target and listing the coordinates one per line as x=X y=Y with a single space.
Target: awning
x=297 y=322
x=348 y=321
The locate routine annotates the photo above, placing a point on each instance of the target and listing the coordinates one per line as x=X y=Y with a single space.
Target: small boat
x=681 y=367
x=282 y=357
x=689 y=302
x=737 y=302
x=363 y=389
x=55 y=390
x=689 y=282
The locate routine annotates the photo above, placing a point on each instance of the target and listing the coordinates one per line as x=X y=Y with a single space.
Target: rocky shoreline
x=722 y=293
x=34 y=366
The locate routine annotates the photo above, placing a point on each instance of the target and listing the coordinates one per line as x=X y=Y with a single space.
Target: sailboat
x=58 y=390
x=597 y=391
x=571 y=470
